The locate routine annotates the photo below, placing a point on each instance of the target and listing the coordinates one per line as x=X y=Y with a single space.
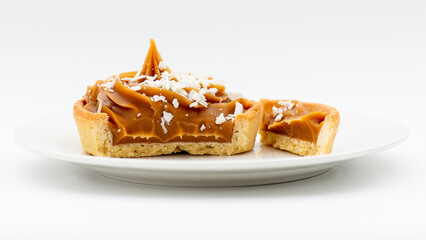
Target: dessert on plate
x=298 y=127
x=157 y=111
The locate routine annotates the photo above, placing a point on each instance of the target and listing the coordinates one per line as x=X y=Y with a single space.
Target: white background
x=360 y=56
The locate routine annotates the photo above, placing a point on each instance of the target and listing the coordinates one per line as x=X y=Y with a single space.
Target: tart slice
x=157 y=111
x=298 y=127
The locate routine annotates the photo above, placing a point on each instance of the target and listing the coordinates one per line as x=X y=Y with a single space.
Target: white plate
x=55 y=136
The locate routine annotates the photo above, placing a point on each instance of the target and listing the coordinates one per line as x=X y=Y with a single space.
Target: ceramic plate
x=55 y=136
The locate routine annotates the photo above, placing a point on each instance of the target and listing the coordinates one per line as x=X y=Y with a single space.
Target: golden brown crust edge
x=96 y=137
x=326 y=136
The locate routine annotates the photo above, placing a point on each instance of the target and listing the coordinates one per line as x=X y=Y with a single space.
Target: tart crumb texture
x=324 y=141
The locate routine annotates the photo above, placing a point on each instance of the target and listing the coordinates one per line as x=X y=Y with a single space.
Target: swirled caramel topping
x=157 y=105
x=292 y=118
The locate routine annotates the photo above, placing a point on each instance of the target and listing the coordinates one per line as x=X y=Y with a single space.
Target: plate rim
x=149 y=163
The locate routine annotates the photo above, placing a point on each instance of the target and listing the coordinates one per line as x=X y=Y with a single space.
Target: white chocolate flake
x=163 y=126
x=238 y=108
x=175 y=103
x=100 y=106
x=135 y=88
x=287 y=104
x=220 y=119
x=162 y=66
x=279 y=117
x=167 y=117
x=157 y=98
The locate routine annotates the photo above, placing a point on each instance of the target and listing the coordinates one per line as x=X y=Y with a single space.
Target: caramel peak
x=152 y=62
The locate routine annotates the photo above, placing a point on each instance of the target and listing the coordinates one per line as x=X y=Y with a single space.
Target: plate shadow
x=365 y=172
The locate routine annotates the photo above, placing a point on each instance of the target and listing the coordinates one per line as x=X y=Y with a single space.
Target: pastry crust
x=96 y=137
x=325 y=140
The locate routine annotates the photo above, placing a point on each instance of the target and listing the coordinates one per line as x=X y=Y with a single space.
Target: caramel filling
x=141 y=112
x=293 y=120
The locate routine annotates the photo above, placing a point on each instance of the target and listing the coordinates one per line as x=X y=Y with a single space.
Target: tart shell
x=96 y=137
x=325 y=140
